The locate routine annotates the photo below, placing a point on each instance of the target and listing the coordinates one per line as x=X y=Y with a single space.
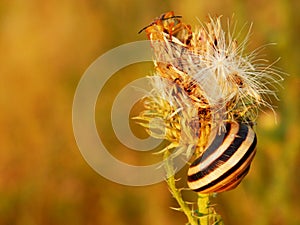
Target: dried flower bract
x=211 y=68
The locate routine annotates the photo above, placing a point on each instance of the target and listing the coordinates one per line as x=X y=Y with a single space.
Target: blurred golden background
x=45 y=48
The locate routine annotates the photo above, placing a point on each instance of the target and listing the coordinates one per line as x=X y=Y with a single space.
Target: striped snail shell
x=226 y=160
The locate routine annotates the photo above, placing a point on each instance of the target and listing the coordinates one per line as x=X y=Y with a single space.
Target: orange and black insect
x=163 y=21
x=171 y=25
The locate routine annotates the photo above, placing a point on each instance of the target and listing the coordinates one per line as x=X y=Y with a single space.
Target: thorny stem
x=203 y=208
x=171 y=181
x=205 y=213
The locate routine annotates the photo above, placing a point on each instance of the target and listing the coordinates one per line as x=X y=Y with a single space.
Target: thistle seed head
x=210 y=73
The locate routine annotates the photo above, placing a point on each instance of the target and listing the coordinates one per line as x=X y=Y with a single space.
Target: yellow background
x=45 y=47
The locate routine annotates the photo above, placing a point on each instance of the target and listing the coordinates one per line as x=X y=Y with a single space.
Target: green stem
x=203 y=208
x=176 y=193
x=205 y=215
x=206 y=212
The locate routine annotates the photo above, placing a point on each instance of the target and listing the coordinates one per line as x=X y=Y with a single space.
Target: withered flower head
x=205 y=70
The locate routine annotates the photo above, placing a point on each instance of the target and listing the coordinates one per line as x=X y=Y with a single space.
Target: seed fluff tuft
x=211 y=67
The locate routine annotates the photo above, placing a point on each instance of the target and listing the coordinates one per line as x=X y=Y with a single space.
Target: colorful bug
x=170 y=24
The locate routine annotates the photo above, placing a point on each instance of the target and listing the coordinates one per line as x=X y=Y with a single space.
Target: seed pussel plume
x=212 y=68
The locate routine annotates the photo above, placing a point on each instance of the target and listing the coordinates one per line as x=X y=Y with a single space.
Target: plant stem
x=205 y=215
x=203 y=208
x=176 y=193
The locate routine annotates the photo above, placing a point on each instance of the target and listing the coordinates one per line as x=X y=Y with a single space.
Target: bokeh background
x=45 y=47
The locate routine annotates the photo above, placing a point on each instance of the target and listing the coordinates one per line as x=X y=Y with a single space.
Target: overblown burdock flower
x=205 y=96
